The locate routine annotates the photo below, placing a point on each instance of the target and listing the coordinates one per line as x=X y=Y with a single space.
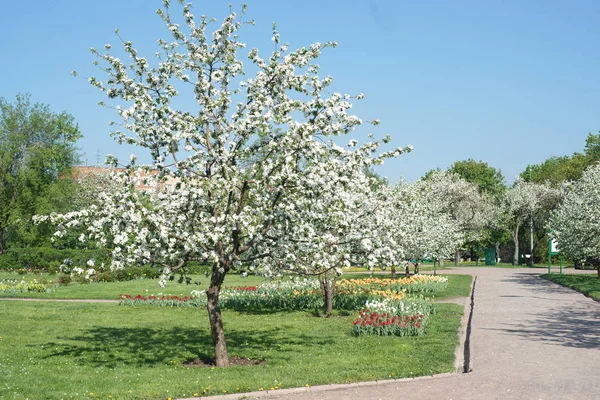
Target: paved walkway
x=531 y=339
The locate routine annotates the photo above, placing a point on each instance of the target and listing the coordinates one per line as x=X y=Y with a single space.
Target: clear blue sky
x=507 y=82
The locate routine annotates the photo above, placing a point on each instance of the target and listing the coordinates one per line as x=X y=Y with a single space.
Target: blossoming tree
x=328 y=226
x=574 y=224
x=415 y=224
x=472 y=210
x=525 y=200
x=253 y=158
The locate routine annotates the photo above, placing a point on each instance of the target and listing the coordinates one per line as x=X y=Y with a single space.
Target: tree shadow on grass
x=110 y=346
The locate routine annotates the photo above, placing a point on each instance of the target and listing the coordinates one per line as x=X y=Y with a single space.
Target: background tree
x=557 y=170
x=420 y=225
x=430 y=173
x=333 y=224
x=470 y=208
x=524 y=201
x=491 y=183
x=574 y=224
x=489 y=179
x=36 y=148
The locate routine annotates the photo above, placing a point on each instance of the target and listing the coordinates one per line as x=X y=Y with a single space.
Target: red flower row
x=244 y=288
x=367 y=318
x=139 y=297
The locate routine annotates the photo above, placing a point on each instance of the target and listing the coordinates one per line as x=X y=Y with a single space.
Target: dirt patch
x=203 y=362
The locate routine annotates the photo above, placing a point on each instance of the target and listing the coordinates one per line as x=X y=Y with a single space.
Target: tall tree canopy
x=36 y=147
x=556 y=170
x=489 y=179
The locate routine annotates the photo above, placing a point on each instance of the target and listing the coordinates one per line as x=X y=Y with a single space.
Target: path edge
x=459 y=352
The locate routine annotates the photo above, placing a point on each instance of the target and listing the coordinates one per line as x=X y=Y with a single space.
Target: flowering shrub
x=15 y=286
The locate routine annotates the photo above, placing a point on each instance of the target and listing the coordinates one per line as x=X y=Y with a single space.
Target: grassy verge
x=458 y=285
x=586 y=284
x=68 y=350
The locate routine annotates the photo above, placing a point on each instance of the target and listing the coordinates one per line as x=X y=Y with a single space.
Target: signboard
x=552 y=251
x=554 y=247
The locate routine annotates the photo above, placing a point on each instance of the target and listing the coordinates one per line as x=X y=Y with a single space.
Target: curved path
x=531 y=339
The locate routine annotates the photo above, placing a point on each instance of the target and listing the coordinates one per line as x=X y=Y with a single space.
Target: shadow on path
x=532 y=281
x=577 y=327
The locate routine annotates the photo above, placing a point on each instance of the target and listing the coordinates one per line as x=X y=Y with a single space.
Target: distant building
x=140 y=183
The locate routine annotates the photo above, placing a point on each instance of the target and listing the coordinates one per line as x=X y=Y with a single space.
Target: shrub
x=64 y=279
x=47 y=258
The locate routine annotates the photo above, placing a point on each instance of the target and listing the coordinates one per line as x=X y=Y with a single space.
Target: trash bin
x=490 y=256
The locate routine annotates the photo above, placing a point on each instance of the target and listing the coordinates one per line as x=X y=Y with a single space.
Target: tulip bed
x=411 y=284
x=373 y=323
x=302 y=294
x=389 y=306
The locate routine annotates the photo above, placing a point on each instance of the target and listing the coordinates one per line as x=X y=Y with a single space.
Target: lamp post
x=531 y=239
x=530 y=231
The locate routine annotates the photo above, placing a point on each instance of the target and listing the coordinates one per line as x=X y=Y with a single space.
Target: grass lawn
x=458 y=285
x=100 y=350
x=586 y=284
x=112 y=290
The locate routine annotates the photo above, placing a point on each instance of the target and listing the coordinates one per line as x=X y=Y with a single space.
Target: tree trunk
x=497 y=253
x=456 y=257
x=2 y=241
x=416 y=268
x=515 y=235
x=327 y=287
x=393 y=272
x=214 y=316
x=407 y=270
x=329 y=299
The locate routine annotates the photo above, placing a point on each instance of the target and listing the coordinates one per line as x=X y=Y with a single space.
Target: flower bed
x=16 y=286
x=163 y=301
x=387 y=309
x=412 y=284
x=305 y=294
x=407 y=317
